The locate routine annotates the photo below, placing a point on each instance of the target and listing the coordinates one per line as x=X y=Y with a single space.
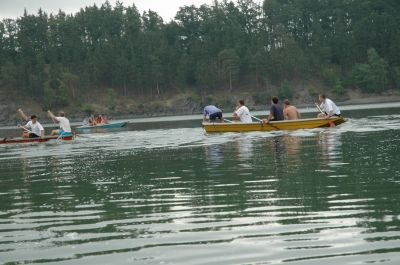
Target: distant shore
x=391 y=101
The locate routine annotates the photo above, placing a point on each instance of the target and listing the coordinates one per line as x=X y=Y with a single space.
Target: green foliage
x=89 y=109
x=285 y=91
x=9 y=75
x=261 y=98
x=396 y=76
x=233 y=42
x=338 y=88
x=330 y=75
x=229 y=63
x=372 y=76
x=55 y=98
x=111 y=99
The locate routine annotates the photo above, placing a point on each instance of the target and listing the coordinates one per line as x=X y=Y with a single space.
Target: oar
x=262 y=122
x=256 y=118
x=22 y=127
x=331 y=123
x=228 y=120
x=318 y=107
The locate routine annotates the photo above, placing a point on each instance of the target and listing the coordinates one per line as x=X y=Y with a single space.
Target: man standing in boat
x=242 y=113
x=212 y=112
x=276 y=111
x=290 y=112
x=328 y=108
x=65 y=127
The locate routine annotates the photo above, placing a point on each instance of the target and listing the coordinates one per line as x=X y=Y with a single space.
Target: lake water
x=167 y=193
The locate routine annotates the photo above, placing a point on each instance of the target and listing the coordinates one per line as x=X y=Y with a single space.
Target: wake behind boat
x=286 y=125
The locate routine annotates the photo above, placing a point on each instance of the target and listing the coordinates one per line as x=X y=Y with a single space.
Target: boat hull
x=19 y=140
x=272 y=126
x=103 y=126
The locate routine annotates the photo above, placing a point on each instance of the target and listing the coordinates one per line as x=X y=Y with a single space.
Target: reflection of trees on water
x=375 y=176
x=219 y=182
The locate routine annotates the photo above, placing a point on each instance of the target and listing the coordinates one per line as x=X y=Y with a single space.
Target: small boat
x=103 y=126
x=18 y=140
x=273 y=125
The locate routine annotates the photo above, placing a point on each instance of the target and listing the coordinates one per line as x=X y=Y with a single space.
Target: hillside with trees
x=114 y=53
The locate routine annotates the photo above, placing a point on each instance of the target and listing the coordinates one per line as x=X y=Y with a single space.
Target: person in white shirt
x=328 y=107
x=33 y=129
x=65 y=127
x=242 y=113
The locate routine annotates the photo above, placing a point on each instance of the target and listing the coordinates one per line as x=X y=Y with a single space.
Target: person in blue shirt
x=212 y=112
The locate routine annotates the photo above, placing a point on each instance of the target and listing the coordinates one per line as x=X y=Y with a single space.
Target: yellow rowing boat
x=272 y=126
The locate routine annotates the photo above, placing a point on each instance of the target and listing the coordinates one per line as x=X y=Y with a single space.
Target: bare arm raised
x=23 y=115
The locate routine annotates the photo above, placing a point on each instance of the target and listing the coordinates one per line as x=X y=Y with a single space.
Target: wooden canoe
x=103 y=126
x=272 y=126
x=18 y=140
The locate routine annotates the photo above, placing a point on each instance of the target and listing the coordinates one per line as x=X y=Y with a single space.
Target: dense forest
x=115 y=50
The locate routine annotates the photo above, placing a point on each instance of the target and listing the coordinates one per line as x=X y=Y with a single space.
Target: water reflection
x=244 y=148
x=331 y=147
x=214 y=155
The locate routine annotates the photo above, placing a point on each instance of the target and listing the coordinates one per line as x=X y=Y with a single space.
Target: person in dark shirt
x=276 y=111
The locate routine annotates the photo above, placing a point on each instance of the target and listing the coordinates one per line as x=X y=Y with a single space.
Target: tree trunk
x=230 y=81
x=158 y=89
x=256 y=76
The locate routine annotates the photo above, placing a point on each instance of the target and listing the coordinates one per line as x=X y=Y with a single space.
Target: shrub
x=261 y=98
x=285 y=90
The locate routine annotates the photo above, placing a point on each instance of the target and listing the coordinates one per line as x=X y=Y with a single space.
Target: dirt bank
x=176 y=104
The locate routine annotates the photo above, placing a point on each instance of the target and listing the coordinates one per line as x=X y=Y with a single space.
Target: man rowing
x=33 y=129
x=213 y=113
x=328 y=108
x=276 y=111
x=65 y=127
x=290 y=112
x=242 y=113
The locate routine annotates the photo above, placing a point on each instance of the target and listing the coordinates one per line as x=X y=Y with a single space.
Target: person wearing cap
x=65 y=127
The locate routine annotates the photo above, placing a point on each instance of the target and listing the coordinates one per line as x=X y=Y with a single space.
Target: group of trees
x=343 y=43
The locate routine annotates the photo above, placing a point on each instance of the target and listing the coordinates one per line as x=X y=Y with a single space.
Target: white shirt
x=244 y=114
x=64 y=124
x=328 y=106
x=35 y=128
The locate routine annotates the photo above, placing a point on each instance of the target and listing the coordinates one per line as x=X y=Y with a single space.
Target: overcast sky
x=166 y=8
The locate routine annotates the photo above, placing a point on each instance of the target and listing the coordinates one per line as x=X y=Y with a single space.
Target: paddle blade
x=331 y=124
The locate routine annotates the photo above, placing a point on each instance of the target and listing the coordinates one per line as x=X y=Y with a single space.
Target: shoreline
x=304 y=108
x=189 y=107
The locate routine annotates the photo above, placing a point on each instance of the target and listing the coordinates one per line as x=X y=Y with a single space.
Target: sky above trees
x=165 y=8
